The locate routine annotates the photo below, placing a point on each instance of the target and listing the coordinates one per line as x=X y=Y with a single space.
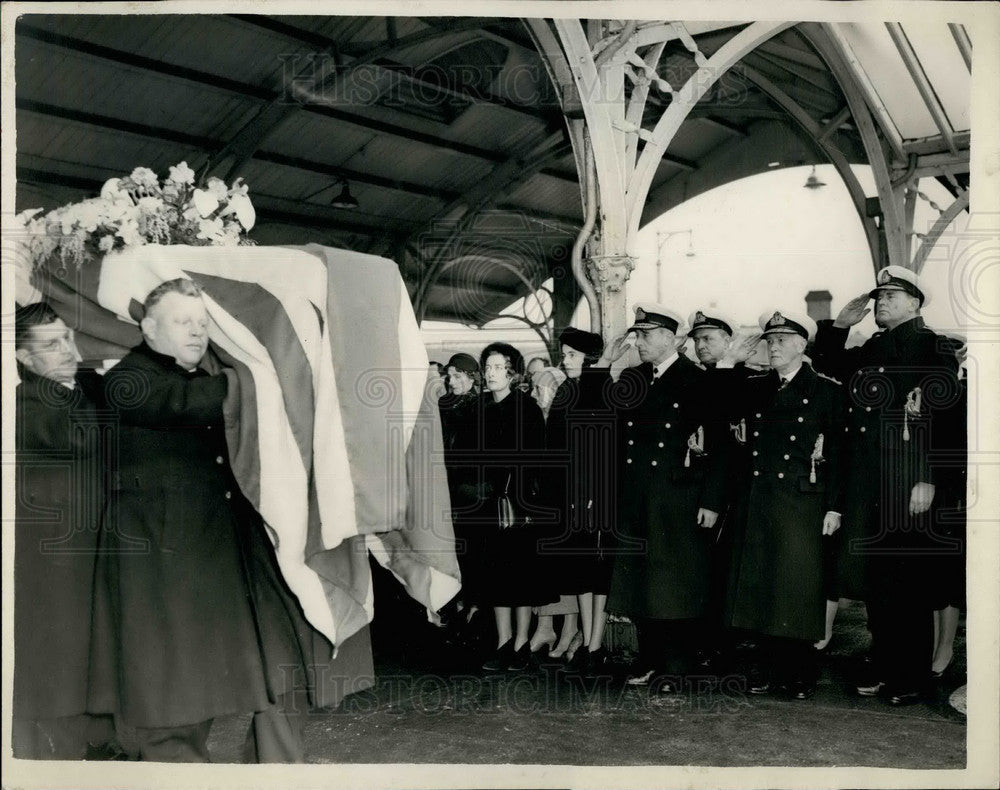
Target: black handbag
x=505 y=509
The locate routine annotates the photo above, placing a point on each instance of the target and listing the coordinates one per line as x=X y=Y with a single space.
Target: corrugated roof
x=417 y=132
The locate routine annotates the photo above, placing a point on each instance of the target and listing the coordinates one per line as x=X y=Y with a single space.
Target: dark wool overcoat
x=60 y=496
x=777 y=586
x=891 y=452
x=509 y=455
x=192 y=618
x=662 y=563
x=582 y=483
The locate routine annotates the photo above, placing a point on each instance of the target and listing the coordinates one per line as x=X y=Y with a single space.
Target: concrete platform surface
x=418 y=714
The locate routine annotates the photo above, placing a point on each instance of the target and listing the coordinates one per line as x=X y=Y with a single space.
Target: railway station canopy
x=474 y=150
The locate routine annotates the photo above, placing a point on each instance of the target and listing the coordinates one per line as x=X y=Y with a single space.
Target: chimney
x=818 y=305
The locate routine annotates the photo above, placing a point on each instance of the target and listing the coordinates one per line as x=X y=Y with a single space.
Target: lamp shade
x=345 y=199
x=813 y=182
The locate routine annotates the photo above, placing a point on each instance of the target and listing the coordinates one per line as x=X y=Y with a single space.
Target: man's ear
x=24 y=357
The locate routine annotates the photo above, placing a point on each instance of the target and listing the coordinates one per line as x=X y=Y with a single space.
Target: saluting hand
x=920 y=498
x=853 y=312
x=707 y=518
x=740 y=349
x=831 y=523
x=615 y=350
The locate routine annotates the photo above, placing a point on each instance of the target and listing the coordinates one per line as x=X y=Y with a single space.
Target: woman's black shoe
x=597 y=662
x=518 y=660
x=501 y=657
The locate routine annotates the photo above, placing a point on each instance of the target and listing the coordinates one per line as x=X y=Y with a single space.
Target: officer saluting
x=712 y=333
x=672 y=484
x=790 y=484
x=903 y=394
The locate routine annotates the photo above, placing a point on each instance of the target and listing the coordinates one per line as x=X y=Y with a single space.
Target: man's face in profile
x=49 y=350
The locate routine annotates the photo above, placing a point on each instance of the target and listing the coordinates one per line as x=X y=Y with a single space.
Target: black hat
x=588 y=343
x=464 y=362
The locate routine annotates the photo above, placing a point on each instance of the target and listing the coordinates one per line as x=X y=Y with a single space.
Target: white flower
x=205 y=202
x=129 y=233
x=143 y=176
x=112 y=189
x=241 y=206
x=89 y=214
x=181 y=174
x=217 y=187
x=106 y=244
x=239 y=188
x=150 y=205
x=211 y=229
x=230 y=236
x=27 y=217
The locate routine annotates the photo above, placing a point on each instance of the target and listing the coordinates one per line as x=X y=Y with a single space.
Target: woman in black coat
x=581 y=430
x=513 y=436
x=459 y=409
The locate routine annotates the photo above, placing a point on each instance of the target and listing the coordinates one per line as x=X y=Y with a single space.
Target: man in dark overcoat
x=192 y=619
x=903 y=415
x=789 y=503
x=60 y=496
x=712 y=334
x=672 y=489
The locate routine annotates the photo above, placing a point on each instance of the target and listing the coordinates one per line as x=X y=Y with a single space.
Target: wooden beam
x=961 y=203
x=729 y=126
x=963 y=42
x=821 y=137
x=924 y=87
x=208 y=144
x=864 y=84
x=254 y=92
x=829 y=42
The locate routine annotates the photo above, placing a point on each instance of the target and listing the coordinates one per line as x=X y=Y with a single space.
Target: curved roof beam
x=821 y=136
x=685 y=99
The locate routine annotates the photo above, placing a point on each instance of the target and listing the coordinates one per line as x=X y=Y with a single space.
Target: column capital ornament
x=609 y=272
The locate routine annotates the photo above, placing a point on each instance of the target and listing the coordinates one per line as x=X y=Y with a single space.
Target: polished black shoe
x=802 y=689
x=870 y=688
x=579 y=664
x=640 y=678
x=761 y=687
x=500 y=658
x=666 y=687
x=519 y=660
x=597 y=663
x=901 y=697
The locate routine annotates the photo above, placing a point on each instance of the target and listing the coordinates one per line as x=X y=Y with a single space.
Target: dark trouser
x=184 y=744
x=669 y=646
x=789 y=660
x=274 y=736
x=718 y=635
x=62 y=738
x=901 y=620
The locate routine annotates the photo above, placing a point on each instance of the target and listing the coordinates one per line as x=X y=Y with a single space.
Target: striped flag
x=333 y=432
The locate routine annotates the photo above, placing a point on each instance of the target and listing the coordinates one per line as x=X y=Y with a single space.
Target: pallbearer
x=60 y=495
